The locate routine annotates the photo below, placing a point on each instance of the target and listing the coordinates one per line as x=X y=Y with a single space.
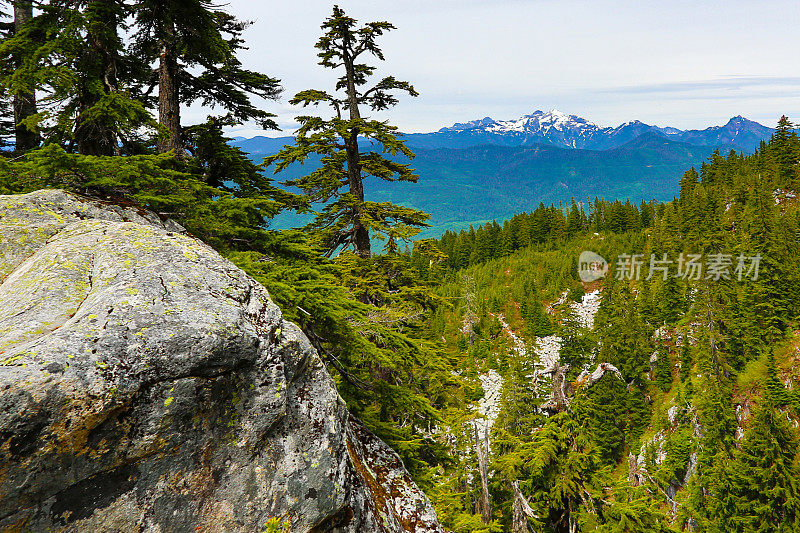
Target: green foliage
x=663 y=372
x=678 y=447
x=721 y=332
x=367 y=317
x=756 y=488
x=632 y=509
x=406 y=334
x=546 y=228
x=624 y=337
x=161 y=183
x=204 y=41
x=90 y=86
x=577 y=344
x=537 y=320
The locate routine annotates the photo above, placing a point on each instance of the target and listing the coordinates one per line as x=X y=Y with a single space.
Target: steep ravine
x=149 y=385
x=545 y=357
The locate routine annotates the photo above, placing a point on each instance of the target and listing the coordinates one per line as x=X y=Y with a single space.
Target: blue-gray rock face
x=149 y=385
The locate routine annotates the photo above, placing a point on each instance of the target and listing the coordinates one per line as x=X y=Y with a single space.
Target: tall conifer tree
x=195 y=45
x=349 y=219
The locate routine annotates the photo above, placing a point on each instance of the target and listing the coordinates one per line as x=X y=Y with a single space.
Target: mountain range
x=488 y=169
x=555 y=128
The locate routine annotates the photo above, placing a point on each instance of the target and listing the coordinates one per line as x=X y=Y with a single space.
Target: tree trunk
x=482 y=448
x=361 y=244
x=169 y=110
x=24 y=104
x=522 y=511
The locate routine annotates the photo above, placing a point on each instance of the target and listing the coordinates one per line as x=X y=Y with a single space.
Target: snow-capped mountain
x=556 y=128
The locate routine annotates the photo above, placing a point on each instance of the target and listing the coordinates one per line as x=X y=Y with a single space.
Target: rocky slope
x=149 y=385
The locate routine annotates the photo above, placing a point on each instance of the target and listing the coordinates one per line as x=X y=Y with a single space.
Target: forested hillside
x=674 y=406
x=661 y=397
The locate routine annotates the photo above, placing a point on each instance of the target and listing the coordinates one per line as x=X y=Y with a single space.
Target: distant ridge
x=487 y=169
x=555 y=128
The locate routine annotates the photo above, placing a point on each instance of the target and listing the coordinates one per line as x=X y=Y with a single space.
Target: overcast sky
x=688 y=64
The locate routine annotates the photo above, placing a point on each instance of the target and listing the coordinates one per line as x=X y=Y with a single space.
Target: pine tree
x=786 y=147
x=537 y=322
x=623 y=339
x=349 y=218
x=100 y=62
x=559 y=471
x=671 y=301
x=576 y=343
x=604 y=410
x=574 y=219
x=663 y=373
x=686 y=362
x=775 y=391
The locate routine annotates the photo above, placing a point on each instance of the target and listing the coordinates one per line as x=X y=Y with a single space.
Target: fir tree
x=196 y=46
x=764 y=478
x=559 y=471
x=663 y=373
x=24 y=101
x=349 y=218
x=576 y=344
x=786 y=147
x=670 y=300
x=74 y=55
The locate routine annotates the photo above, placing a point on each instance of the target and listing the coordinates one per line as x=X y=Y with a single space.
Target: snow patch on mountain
x=560 y=129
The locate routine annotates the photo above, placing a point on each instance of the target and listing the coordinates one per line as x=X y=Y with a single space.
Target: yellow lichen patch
x=56 y=216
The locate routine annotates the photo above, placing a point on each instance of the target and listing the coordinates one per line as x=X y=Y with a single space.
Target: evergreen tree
x=537 y=321
x=670 y=299
x=73 y=53
x=764 y=479
x=663 y=373
x=559 y=472
x=24 y=101
x=196 y=46
x=574 y=219
x=349 y=219
x=786 y=147
x=686 y=362
x=576 y=343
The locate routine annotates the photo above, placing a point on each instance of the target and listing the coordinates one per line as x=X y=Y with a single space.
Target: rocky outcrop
x=149 y=385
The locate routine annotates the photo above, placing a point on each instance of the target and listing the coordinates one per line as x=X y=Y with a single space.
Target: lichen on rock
x=147 y=384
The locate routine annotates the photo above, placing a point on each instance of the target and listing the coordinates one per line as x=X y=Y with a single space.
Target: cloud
x=676 y=63
x=730 y=83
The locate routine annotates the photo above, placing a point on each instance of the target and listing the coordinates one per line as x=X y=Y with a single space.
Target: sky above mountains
x=685 y=64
